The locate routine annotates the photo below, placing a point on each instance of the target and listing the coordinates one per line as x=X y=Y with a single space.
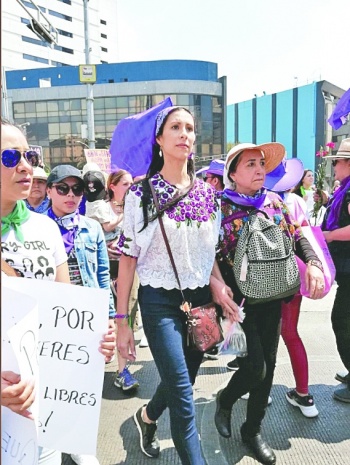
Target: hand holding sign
x=17 y=395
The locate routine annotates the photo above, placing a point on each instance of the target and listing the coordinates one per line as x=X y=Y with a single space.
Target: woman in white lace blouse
x=191 y=219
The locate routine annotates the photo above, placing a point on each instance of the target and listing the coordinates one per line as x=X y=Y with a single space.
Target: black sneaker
x=233 y=365
x=212 y=354
x=148 y=435
x=342 y=376
x=305 y=403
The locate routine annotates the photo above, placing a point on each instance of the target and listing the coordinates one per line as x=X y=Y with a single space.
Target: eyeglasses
x=63 y=189
x=10 y=158
x=335 y=161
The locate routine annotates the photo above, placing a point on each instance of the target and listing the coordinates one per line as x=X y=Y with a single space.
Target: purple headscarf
x=335 y=205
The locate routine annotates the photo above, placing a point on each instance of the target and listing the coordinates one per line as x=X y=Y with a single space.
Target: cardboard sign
x=101 y=157
x=72 y=321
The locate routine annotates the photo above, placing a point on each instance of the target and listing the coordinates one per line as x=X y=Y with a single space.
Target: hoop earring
x=160 y=153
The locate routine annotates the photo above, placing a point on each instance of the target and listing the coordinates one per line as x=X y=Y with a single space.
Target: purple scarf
x=335 y=205
x=68 y=225
x=257 y=201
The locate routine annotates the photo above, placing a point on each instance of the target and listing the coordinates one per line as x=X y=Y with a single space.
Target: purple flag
x=342 y=109
x=131 y=146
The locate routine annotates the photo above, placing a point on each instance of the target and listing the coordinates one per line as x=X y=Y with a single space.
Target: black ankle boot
x=222 y=418
x=262 y=451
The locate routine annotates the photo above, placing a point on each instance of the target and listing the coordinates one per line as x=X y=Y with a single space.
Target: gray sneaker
x=149 y=442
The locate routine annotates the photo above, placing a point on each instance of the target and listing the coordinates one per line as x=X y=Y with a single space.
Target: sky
x=260 y=45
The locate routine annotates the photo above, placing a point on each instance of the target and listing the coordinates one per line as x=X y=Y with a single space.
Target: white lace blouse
x=192 y=227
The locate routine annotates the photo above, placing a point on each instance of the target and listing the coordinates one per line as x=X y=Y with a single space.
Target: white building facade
x=23 y=49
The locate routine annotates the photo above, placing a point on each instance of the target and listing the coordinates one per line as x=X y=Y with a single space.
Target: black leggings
x=341 y=318
x=255 y=374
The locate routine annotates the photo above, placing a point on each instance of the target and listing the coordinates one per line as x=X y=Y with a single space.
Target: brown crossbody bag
x=203 y=327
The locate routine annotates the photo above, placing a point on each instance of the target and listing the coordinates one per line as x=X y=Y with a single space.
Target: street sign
x=87 y=74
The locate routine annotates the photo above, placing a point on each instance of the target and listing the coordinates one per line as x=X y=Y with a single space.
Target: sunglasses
x=10 y=158
x=335 y=160
x=63 y=189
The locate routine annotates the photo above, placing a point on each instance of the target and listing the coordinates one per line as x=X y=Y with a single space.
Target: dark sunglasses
x=335 y=161
x=10 y=158
x=63 y=189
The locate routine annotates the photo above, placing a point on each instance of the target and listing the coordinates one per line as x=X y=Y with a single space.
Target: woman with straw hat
x=244 y=176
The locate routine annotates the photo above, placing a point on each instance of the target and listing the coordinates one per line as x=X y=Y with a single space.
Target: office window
x=64 y=49
x=34 y=58
x=104 y=36
x=65 y=33
x=30 y=5
x=34 y=41
x=58 y=63
x=68 y=2
x=102 y=21
x=104 y=49
x=25 y=21
x=60 y=15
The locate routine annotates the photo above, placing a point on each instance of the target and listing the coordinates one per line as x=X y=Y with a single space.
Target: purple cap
x=215 y=167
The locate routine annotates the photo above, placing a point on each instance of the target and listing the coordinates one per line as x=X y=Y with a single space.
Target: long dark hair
x=300 y=183
x=156 y=165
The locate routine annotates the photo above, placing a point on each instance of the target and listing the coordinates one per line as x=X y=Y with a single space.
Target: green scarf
x=303 y=190
x=18 y=216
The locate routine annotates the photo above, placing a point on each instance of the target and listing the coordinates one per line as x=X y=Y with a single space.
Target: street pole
x=89 y=89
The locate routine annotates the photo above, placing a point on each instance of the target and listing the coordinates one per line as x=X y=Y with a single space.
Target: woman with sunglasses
x=336 y=229
x=84 y=243
x=43 y=251
x=18 y=226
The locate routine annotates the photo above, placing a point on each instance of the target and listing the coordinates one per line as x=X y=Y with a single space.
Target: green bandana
x=18 y=216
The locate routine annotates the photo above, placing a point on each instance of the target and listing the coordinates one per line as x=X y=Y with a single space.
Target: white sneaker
x=246 y=397
x=143 y=342
x=81 y=459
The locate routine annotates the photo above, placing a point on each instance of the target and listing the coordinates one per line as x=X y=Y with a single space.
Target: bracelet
x=121 y=316
x=316 y=263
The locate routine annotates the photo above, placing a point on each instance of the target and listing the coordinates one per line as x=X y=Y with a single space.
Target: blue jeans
x=165 y=328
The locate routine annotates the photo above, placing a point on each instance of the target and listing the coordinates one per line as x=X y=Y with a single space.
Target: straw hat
x=343 y=151
x=273 y=152
x=39 y=173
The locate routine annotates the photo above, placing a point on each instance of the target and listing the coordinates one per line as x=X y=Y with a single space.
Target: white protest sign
x=72 y=321
x=18 y=439
x=101 y=157
x=19 y=316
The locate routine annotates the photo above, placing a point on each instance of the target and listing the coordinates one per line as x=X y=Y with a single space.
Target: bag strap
x=156 y=203
x=7 y=269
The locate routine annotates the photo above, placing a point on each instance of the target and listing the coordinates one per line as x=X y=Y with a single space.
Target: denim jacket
x=91 y=252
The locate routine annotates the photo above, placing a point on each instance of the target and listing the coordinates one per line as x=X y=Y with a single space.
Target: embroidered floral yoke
x=192 y=227
x=234 y=218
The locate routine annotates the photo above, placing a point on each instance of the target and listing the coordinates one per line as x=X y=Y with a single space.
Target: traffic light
x=41 y=31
